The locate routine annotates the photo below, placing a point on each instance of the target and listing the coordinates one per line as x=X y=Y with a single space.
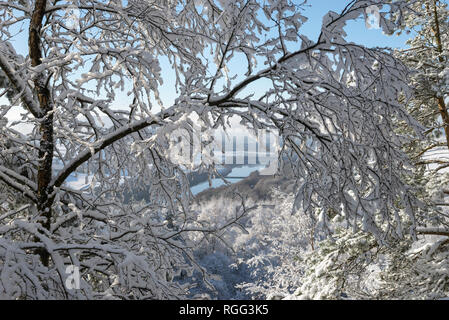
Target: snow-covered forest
x=357 y=204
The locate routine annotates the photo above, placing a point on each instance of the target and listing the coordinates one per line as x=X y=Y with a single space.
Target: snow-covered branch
x=334 y=103
x=25 y=92
x=433 y=231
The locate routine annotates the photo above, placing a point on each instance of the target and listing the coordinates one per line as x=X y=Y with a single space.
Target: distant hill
x=255 y=186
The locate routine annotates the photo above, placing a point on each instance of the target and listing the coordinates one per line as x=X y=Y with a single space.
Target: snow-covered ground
x=440 y=154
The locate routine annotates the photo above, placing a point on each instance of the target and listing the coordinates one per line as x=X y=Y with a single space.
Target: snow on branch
x=21 y=87
x=334 y=103
x=98 y=146
x=433 y=231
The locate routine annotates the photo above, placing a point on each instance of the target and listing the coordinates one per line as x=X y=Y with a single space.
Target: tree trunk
x=46 y=148
x=441 y=103
x=445 y=117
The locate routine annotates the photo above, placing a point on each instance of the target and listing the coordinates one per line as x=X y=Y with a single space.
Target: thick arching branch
x=101 y=145
x=240 y=86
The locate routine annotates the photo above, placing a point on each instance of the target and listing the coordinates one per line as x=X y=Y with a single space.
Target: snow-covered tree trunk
x=428 y=58
x=46 y=145
x=433 y=12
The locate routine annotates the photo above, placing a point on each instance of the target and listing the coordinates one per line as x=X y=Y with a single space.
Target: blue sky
x=316 y=9
x=356 y=30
